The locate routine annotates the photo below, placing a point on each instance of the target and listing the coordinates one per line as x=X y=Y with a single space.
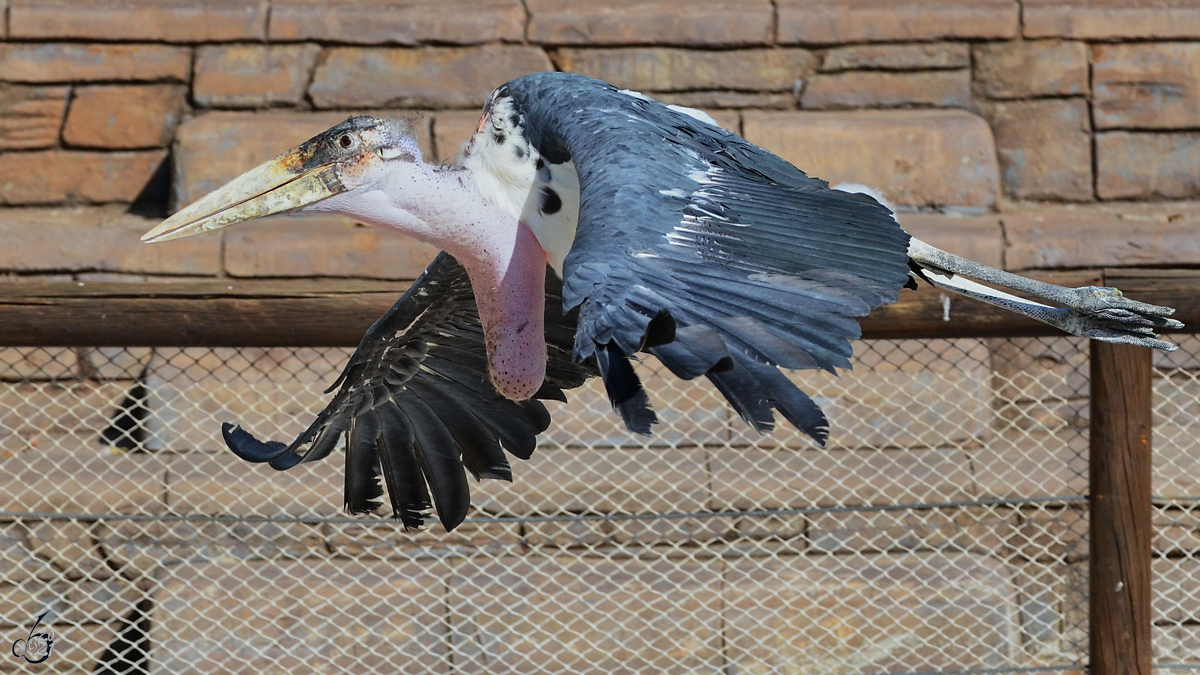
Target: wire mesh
x=942 y=530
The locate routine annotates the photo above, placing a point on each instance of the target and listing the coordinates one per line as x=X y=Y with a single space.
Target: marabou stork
x=665 y=234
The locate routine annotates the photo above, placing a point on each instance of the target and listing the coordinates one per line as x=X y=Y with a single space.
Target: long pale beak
x=273 y=187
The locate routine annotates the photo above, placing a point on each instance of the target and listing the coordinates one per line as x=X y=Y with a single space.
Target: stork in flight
x=664 y=234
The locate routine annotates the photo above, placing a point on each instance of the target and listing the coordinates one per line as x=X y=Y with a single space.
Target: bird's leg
x=1096 y=312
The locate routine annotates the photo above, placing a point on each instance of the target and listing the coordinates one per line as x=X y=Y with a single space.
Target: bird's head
x=348 y=158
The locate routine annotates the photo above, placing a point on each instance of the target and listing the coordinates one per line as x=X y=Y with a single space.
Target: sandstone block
x=978 y=530
x=897 y=395
x=18 y=564
x=1110 y=19
x=319 y=246
x=29 y=409
x=665 y=533
x=451 y=129
x=1148 y=85
x=919 y=56
x=92 y=602
x=386 y=539
x=879 y=612
x=1052 y=534
x=1133 y=165
x=213 y=149
x=249 y=76
x=663 y=69
x=625 y=22
x=74 y=62
x=1039 y=369
x=30 y=117
x=1173 y=443
x=916 y=157
x=434 y=77
x=841 y=21
x=221 y=484
x=1176 y=532
x=405 y=23
x=1045 y=148
x=1036 y=463
x=24 y=364
x=976 y=237
x=1053 y=599
x=1173 y=582
x=56 y=176
x=143 y=549
x=757 y=478
x=590 y=480
x=74 y=482
x=1118 y=235
x=300 y=616
x=124 y=116
x=103 y=239
x=1032 y=68
x=139 y=20
x=879 y=89
x=565 y=615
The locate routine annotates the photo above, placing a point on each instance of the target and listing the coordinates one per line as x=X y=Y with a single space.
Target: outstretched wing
x=709 y=252
x=415 y=404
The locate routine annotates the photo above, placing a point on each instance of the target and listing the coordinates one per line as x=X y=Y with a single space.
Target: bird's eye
x=345 y=140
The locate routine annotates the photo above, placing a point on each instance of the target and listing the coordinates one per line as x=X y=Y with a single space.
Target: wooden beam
x=1120 y=527
x=335 y=312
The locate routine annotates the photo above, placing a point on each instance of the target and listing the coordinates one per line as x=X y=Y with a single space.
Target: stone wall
x=1029 y=135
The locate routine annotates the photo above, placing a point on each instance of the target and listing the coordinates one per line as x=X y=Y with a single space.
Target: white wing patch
x=690 y=112
x=509 y=173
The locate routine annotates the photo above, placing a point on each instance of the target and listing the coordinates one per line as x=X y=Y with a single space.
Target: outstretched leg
x=1095 y=312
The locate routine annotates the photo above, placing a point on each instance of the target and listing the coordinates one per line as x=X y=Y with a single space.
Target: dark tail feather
x=362 y=487
x=696 y=350
x=405 y=482
x=439 y=456
x=625 y=391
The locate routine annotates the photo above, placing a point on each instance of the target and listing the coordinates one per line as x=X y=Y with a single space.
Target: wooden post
x=1119 y=562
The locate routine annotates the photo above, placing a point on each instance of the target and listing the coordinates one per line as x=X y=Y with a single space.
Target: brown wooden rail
x=326 y=313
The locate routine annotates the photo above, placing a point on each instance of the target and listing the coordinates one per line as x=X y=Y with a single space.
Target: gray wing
x=707 y=251
x=415 y=404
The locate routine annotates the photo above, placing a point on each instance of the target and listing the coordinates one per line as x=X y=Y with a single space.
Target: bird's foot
x=1103 y=313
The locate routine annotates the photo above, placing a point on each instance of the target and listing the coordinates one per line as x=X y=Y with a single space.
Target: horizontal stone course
x=899 y=57
x=429 y=77
x=1110 y=19
x=81 y=62
x=880 y=611
x=1124 y=169
x=249 y=76
x=57 y=176
x=1147 y=86
x=139 y=20
x=834 y=21
x=250 y=617
x=1032 y=68
x=878 y=89
x=409 y=22
x=661 y=69
x=100 y=239
x=1118 y=235
x=627 y=22
x=915 y=157
x=124 y=116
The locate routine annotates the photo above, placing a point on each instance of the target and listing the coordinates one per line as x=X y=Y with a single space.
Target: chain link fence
x=943 y=530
